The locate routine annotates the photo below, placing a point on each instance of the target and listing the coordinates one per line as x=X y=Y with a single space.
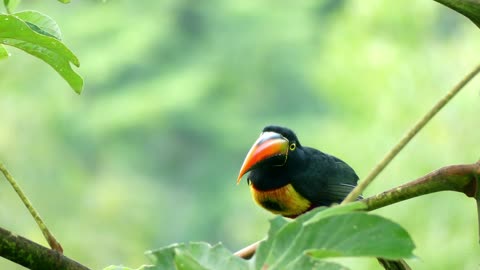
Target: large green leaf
x=3 y=52
x=265 y=246
x=330 y=211
x=15 y=32
x=303 y=243
x=116 y=267
x=196 y=256
x=469 y=8
x=307 y=262
x=40 y=23
x=164 y=257
x=185 y=261
x=265 y=250
x=344 y=235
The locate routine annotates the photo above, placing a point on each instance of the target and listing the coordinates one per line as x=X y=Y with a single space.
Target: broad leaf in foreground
x=309 y=263
x=326 y=235
x=3 y=52
x=15 y=32
x=265 y=250
x=196 y=255
x=115 y=267
x=304 y=243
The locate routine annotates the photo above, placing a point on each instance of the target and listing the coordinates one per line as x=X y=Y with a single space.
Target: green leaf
x=469 y=8
x=64 y=1
x=336 y=210
x=40 y=23
x=196 y=256
x=116 y=267
x=344 y=235
x=164 y=257
x=264 y=248
x=184 y=261
x=306 y=262
x=3 y=52
x=11 y=5
x=303 y=243
x=15 y=32
x=265 y=251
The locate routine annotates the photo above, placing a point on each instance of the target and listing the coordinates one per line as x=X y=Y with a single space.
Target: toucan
x=289 y=179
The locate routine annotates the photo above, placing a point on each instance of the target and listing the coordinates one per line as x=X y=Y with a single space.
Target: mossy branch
x=32 y=255
x=459 y=178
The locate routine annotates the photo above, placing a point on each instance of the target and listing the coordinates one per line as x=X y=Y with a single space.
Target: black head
x=276 y=147
x=285 y=132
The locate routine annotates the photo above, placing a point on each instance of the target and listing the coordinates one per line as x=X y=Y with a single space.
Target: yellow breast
x=285 y=201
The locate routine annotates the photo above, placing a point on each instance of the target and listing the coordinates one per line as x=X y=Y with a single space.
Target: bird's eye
x=293 y=146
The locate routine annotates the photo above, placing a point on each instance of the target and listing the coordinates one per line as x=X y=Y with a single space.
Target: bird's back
x=325 y=179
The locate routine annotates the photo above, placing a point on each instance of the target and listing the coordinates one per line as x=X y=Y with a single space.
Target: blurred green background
x=177 y=91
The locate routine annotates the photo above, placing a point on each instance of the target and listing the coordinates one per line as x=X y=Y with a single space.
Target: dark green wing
x=326 y=179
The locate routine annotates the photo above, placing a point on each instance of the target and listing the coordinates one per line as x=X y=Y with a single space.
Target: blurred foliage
x=177 y=91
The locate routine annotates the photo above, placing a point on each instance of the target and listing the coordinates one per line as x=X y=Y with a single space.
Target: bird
x=289 y=179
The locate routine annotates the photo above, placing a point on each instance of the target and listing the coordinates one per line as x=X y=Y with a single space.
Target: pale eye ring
x=293 y=146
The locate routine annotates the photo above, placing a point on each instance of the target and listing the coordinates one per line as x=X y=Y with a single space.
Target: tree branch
x=460 y=178
x=32 y=255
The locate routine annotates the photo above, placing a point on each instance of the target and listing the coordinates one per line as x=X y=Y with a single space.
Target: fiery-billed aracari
x=289 y=179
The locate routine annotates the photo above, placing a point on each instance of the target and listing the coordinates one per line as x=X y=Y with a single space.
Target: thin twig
x=54 y=244
x=408 y=136
x=248 y=251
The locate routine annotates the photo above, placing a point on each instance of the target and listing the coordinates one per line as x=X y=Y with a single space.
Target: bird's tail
x=350 y=188
x=394 y=265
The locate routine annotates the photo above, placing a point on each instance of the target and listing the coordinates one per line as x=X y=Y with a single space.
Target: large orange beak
x=269 y=146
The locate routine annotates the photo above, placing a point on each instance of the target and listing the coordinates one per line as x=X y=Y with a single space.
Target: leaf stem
x=408 y=136
x=46 y=233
